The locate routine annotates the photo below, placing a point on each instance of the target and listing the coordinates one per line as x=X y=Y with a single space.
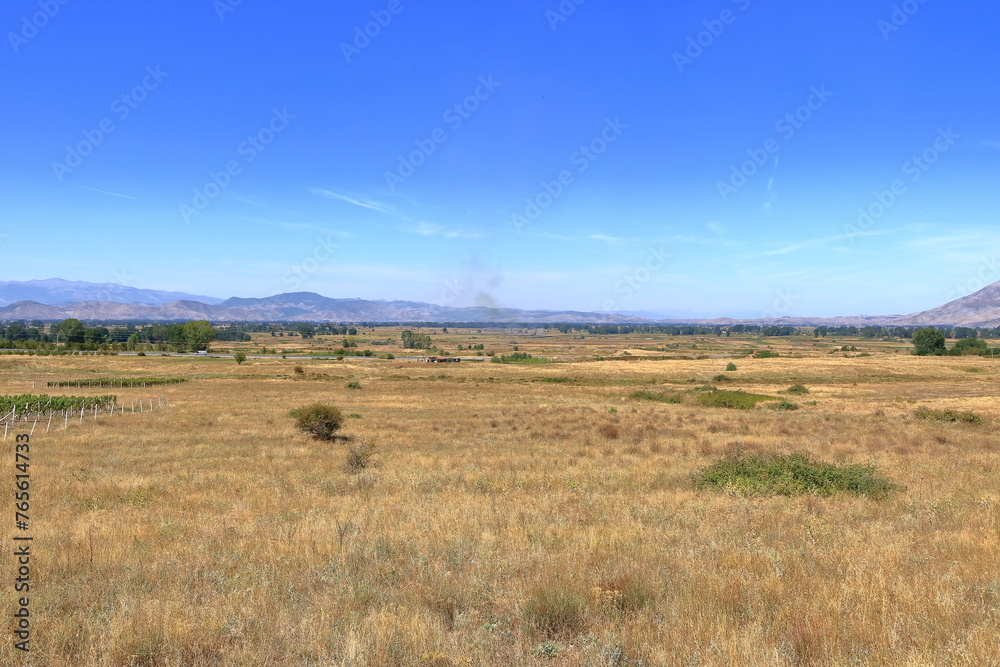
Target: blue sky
x=684 y=158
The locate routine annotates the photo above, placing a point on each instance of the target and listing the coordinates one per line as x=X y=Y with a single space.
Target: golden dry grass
x=512 y=519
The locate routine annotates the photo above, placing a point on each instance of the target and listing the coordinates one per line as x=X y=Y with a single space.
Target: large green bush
x=318 y=420
x=739 y=400
x=791 y=474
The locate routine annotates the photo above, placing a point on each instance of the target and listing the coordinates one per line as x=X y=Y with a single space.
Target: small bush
x=555 y=611
x=721 y=378
x=766 y=354
x=782 y=406
x=738 y=400
x=239 y=358
x=360 y=457
x=354 y=415
x=795 y=390
x=299 y=370
x=318 y=420
x=947 y=416
x=793 y=474
x=662 y=397
x=353 y=385
x=730 y=367
x=547 y=650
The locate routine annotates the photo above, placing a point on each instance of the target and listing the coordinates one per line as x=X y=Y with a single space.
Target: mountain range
x=57 y=299
x=56 y=291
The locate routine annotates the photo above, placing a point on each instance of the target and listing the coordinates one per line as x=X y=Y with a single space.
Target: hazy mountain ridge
x=56 y=291
x=979 y=309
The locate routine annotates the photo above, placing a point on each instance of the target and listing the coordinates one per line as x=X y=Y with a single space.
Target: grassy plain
x=519 y=514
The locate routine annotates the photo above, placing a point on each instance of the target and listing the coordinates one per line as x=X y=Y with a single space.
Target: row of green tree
x=932 y=341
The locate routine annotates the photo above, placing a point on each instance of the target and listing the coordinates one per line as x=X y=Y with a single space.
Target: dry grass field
x=518 y=514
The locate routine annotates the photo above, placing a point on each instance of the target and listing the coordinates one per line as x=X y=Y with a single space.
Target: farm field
x=515 y=514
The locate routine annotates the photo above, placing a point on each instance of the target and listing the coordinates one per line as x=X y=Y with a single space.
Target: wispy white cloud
x=251 y=202
x=356 y=201
x=301 y=226
x=107 y=192
x=605 y=238
x=812 y=243
x=434 y=229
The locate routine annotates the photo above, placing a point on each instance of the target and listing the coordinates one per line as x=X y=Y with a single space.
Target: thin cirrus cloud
x=432 y=229
x=605 y=238
x=107 y=192
x=301 y=226
x=812 y=243
x=356 y=201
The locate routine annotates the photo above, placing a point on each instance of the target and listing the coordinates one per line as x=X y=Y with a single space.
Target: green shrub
x=796 y=390
x=766 y=354
x=730 y=367
x=26 y=403
x=548 y=649
x=116 y=382
x=721 y=378
x=353 y=385
x=239 y=358
x=792 y=474
x=948 y=416
x=661 y=397
x=299 y=370
x=318 y=420
x=782 y=406
x=516 y=358
x=738 y=400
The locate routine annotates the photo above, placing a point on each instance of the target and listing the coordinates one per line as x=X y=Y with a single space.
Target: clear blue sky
x=351 y=173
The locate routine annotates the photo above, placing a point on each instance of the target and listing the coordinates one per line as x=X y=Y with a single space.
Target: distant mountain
x=60 y=299
x=55 y=291
x=980 y=309
x=296 y=307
